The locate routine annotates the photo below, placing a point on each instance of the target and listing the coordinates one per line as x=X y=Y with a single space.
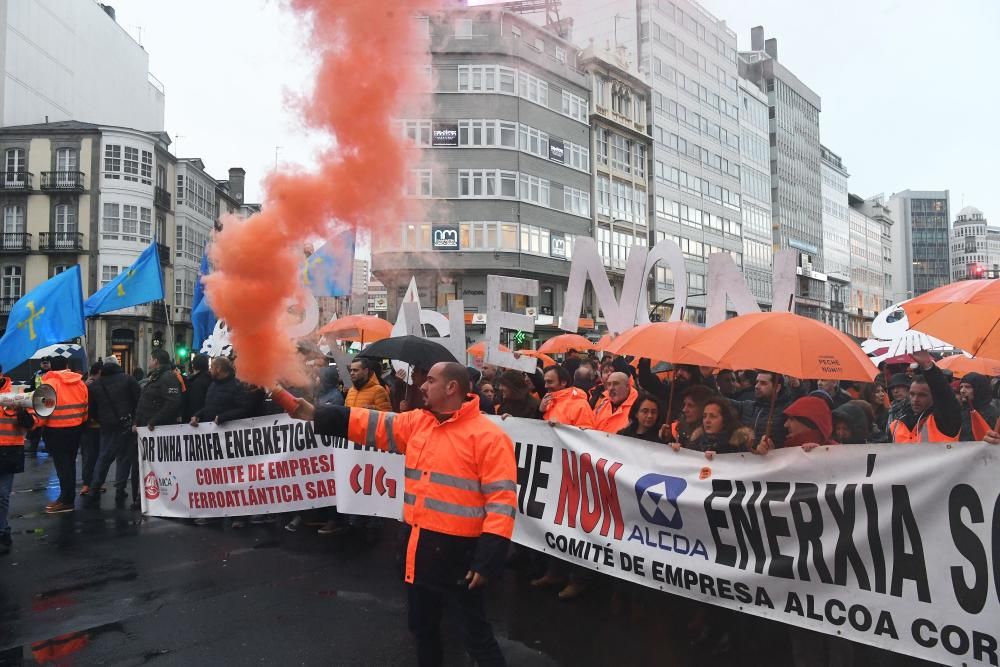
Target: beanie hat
x=815 y=410
x=110 y=360
x=899 y=380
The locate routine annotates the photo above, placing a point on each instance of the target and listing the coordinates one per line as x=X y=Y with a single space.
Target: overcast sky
x=909 y=87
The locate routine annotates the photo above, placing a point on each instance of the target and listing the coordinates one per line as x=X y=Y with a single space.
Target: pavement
x=112 y=587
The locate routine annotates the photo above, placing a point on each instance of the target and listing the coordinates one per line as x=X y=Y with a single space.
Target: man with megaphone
x=15 y=422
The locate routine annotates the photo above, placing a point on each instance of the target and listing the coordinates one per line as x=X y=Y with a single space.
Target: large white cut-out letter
x=669 y=253
x=619 y=315
x=496 y=317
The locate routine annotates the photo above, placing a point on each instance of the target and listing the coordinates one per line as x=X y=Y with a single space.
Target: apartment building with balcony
x=506 y=173
x=93 y=195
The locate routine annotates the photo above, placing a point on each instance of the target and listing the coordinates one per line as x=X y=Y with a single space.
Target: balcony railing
x=165 y=255
x=161 y=198
x=836 y=305
x=7 y=303
x=15 y=242
x=60 y=242
x=15 y=181
x=62 y=181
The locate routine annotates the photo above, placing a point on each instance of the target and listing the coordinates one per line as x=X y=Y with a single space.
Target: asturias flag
x=140 y=283
x=50 y=313
x=330 y=270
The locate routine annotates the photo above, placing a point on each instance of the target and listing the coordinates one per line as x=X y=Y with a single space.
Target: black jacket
x=225 y=401
x=946 y=409
x=982 y=402
x=113 y=396
x=661 y=390
x=160 y=400
x=754 y=415
x=857 y=422
x=194 y=397
x=652 y=435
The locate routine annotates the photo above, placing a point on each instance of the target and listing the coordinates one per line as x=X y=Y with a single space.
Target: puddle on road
x=58 y=649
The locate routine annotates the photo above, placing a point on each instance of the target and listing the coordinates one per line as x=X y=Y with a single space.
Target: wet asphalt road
x=112 y=587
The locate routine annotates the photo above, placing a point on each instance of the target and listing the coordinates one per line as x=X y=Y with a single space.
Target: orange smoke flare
x=370 y=68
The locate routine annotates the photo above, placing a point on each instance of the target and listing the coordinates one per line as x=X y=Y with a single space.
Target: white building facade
x=975 y=246
x=70 y=60
x=836 y=238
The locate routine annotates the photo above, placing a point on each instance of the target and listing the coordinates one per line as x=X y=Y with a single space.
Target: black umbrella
x=413 y=350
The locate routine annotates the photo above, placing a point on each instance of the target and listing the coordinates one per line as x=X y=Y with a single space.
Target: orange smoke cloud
x=370 y=69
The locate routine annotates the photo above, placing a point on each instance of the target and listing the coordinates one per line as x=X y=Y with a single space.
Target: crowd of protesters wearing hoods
x=689 y=407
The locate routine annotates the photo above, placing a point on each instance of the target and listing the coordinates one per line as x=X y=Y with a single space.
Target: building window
x=145 y=224
x=59 y=268
x=130 y=222
x=534 y=190
x=534 y=141
x=111 y=222
x=576 y=201
x=13 y=220
x=419 y=183
x=108 y=273
x=535 y=240
x=65 y=219
x=65 y=162
x=130 y=165
x=515 y=31
x=485 y=79
x=464 y=28
x=180 y=188
x=13 y=283
x=112 y=161
x=561 y=54
x=539 y=44
x=533 y=89
x=621 y=153
x=602 y=146
x=574 y=106
x=487 y=183
x=146 y=167
x=417 y=131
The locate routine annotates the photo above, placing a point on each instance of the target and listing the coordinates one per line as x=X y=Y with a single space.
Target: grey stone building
x=796 y=199
x=871 y=262
x=506 y=177
x=921 y=242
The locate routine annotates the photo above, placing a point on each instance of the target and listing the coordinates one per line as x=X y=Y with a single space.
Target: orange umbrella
x=965 y=314
x=959 y=364
x=563 y=343
x=662 y=341
x=478 y=350
x=604 y=341
x=546 y=359
x=785 y=343
x=358 y=328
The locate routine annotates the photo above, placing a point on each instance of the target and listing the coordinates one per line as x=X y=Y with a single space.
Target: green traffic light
x=182 y=352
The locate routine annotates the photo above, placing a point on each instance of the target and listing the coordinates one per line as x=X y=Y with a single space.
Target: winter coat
x=754 y=415
x=526 y=408
x=113 y=396
x=226 y=400
x=329 y=391
x=738 y=440
x=197 y=390
x=652 y=435
x=372 y=395
x=946 y=410
x=982 y=403
x=856 y=421
x=160 y=400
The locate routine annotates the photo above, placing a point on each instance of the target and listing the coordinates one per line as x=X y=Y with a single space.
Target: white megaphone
x=42 y=400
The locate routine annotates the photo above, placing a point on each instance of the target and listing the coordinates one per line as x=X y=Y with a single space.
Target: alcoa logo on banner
x=657 y=496
x=153 y=486
x=371 y=476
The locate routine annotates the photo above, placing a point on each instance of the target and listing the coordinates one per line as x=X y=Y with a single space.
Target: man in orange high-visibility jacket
x=458 y=507
x=14 y=425
x=611 y=413
x=935 y=414
x=564 y=403
x=64 y=428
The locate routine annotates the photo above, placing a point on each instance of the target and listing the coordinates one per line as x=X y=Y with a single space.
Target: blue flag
x=203 y=319
x=329 y=271
x=50 y=313
x=140 y=283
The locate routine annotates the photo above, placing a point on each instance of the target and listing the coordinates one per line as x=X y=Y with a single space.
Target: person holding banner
x=978 y=413
x=564 y=403
x=612 y=412
x=459 y=502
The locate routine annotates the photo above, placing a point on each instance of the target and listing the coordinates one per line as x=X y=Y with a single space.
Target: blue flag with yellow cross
x=140 y=283
x=50 y=313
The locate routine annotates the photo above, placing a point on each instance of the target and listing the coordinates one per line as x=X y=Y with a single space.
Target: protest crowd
x=709 y=410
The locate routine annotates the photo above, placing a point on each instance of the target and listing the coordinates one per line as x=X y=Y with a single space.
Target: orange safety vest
x=11 y=434
x=611 y=420
x=71 y=399
x=980 y=427
x=570 y=406
x=926 y=430
x=460 y=473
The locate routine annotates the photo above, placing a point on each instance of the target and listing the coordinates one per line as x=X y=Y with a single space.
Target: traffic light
x=182 y=351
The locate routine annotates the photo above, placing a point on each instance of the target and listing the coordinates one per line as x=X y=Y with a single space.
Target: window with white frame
x=130 y=222
x=111 y=222
x=180 y=189
x=59 y=268
x=574 y=106
x=561 y=54
x=535 y=240
x=578 y=156
x=419 y=183
x=604 y=245
x=13 y=219
x=13 y=283
x=534 y=190
x=179 y=250
x=465 y=28
x=417 y=131
x=65 y=221
x=108 y=273
x=487 y=183
x=640 y=160
x=534 y=141
x=576 y=201
x=602 y=146
x=485 y=79
x=515 y=31
x=533 y=89
x=621 y=153
x=130 y=164
x=145 y=224
x=603 y=196
x=146 y=168
x=112 y=161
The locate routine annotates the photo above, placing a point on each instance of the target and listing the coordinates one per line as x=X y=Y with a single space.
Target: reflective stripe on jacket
x=570 y=406
x=11 y=432
x=460 y=473
x=72 y=399
x=925 y=430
